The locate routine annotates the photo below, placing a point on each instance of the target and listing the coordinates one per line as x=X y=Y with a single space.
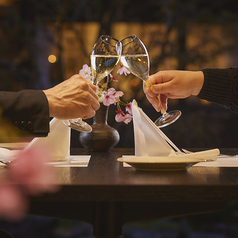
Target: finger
x=89 y=84
x=95 y=105
x=156 y=78
x=147 y=90
x=90 y=105
x=90 y=114
x=92 y=90
x=147 y=84
x=163 y=100
x=94 y=87
x=162 y=88
x=154 y=102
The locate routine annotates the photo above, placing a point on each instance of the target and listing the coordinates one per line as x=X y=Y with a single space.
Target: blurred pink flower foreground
x=27 y=175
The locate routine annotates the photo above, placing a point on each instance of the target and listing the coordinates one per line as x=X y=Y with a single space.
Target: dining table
x=107 y=194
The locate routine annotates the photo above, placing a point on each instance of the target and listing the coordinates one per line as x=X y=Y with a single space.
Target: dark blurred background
x=179 y=34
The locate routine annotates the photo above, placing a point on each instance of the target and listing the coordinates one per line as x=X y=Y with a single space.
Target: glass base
x=78 y=125
x=168 y=118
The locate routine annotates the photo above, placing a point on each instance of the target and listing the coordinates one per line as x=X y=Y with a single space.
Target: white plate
x=172 y=163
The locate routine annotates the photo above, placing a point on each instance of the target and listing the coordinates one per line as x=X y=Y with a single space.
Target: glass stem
x=165 y=115
x=108 y=79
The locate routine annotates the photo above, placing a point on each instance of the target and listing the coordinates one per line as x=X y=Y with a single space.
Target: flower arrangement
x=109 y=96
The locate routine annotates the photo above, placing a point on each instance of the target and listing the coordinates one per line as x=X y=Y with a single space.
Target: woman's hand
x=172 y=84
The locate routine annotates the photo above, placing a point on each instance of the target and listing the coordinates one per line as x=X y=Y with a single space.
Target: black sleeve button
x=23 y=125
x=30 y=125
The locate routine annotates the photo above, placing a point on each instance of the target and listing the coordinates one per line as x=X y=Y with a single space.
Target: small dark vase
x=103 y=137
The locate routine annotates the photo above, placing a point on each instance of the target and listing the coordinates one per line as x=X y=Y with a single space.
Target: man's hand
x=73 y=98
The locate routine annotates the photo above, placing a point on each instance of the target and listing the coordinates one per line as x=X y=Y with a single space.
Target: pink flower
x=128 y=107
x=112 y=96
x=109 y=98
x=111 y=91
x=123 y=70
x=85 y=72
x=127 y=118
x=113 y=78
x=119 y=94
x=119 y=115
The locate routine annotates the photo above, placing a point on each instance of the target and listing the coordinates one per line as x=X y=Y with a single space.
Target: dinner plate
x=171 y=163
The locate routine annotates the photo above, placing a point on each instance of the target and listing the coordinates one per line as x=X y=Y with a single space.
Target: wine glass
x=104 y=57
x=135 y=58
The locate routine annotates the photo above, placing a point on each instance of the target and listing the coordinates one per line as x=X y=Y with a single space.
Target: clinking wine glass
x=104 y=57
x=135 y=58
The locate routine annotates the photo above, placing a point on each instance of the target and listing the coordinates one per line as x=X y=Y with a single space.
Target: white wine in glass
x=135 y=58
x=137 y=64
x=102 y=66
x=104 y=57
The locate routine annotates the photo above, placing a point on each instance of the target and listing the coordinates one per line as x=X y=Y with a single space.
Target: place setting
x=154 y=151
x=58 y=144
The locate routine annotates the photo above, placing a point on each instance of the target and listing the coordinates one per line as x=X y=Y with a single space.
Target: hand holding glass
x=135 y=58
x=105 y=55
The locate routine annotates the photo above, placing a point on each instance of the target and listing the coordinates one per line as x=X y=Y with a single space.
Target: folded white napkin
x=57 y=141
x=149 y=139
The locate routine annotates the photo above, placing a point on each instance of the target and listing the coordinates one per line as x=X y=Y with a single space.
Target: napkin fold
x=149 y=139
x=57 y=141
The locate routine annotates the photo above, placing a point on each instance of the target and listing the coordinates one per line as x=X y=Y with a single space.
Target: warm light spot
x=52 y=58
x=6 y=3
x=204 y=102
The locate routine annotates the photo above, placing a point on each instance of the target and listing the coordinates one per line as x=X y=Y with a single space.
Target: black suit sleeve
x=27 y=109
x=221 y=86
